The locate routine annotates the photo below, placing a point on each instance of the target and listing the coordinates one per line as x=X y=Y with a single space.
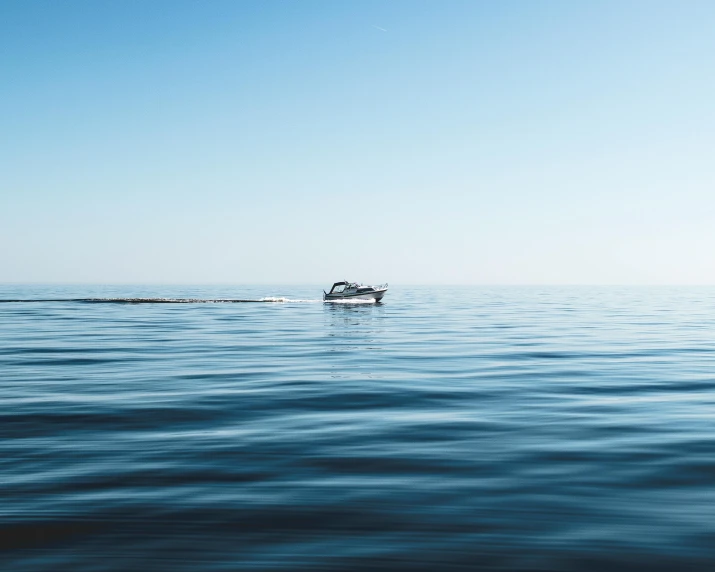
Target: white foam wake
x=278 y=299
x=288 y=300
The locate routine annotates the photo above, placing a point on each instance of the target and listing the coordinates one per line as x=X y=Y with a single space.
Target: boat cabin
x=340 y=287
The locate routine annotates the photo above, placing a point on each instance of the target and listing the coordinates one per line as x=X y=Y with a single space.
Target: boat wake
x=267 y=299
x=291 y=301
x=288 y=300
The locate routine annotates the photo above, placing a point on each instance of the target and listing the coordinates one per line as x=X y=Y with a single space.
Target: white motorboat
x=351 y=291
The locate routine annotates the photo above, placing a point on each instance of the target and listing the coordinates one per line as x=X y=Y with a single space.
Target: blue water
x=509 y=428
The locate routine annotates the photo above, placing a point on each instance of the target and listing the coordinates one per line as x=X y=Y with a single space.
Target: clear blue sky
x=458 y=142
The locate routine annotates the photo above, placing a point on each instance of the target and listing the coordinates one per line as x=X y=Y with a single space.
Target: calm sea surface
x=444 y=429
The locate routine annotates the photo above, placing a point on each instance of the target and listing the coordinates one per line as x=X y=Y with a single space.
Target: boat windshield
x=338 y=288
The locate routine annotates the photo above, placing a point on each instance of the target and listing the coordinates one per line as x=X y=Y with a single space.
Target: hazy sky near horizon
x=458 y=142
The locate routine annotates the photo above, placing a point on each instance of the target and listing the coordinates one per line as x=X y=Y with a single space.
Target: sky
x=407 y=141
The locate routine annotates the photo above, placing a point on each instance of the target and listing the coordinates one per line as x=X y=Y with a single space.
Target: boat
x=352 y=291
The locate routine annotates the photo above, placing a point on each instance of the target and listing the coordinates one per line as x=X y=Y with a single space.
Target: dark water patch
x=391 y=466
x=314 y=399
x=75 y=361
x=58 y=418
x=34 y=535
x=329 y=538
x=54 y=350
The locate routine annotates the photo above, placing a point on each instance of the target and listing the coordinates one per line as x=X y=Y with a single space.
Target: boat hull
x=376 y=295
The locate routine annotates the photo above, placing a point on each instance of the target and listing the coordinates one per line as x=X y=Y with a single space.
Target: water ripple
x=444 y=429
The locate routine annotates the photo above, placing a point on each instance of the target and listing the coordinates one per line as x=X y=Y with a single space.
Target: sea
x=231 y=428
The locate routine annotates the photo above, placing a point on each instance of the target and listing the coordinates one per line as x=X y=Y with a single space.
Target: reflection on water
x=354 y=331
x=444 y=429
